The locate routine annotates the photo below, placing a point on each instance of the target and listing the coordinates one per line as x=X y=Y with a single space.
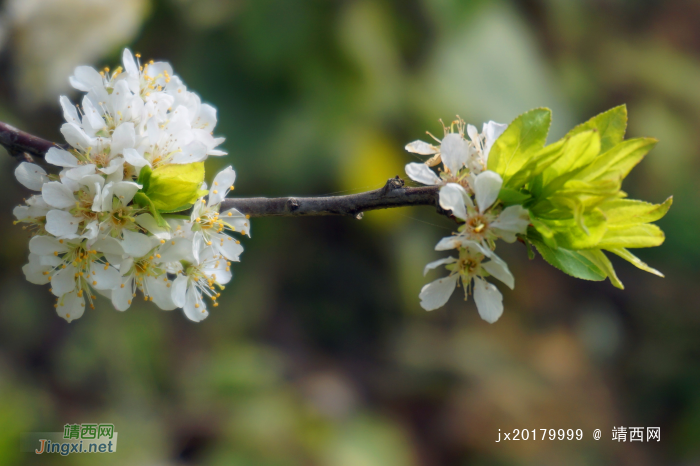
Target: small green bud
x=173 y=186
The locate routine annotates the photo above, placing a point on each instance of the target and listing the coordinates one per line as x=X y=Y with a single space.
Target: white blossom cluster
x=471 y=192
x=89 y=235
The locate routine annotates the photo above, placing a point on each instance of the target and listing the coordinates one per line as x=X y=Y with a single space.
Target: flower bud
x=173 y=186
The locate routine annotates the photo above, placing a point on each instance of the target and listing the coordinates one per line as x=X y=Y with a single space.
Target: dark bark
x=27 y=146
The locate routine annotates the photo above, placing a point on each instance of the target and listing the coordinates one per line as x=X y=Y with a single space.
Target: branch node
x=392 y=184
x=293 y=204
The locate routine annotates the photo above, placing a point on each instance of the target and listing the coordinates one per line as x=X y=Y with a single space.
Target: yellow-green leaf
x=570 y=262
x=618 y=161
x=599 y=258
x=646 y=235
x=523 y=138
x=611 y=125
x=626 y=212
x=578 y=151
x=634 y=260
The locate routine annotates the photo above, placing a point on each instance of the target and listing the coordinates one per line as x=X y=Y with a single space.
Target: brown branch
x=21 y=144
x=393 y=194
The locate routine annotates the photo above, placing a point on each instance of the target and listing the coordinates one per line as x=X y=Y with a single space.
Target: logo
x=75 y=438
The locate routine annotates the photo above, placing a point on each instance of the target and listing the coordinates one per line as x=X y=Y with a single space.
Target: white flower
x=471 y=269
x=482 y=222
x=71 y=267
x=148 y=262
x=455 y=152
x=89 y=234
x=483 y=142
x=199 y=279
x=209 y=226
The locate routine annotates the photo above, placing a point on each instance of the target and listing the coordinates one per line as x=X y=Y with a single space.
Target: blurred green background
x=320 y=353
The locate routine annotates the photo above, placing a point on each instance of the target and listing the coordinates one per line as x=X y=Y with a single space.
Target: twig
x=21 y=144
x=393 y=194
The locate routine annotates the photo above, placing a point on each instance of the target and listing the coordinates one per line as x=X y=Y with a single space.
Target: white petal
x=136 y=244
x=133 y=157
x=85 y=79
x=179 y=290
x=473 y=134
x=421 y=173
x=129 y=63
x=75 y=136
x=513 y=220
x=438 y=263
x=435 y=294
x=206 y=118
x=31 y=176
x=487 y=185
x=452 y=198
x=151 y=225
x=63 y=281
x=21 y=212
x=454 y=152
x=420 y=147
x=236 y=220
x=125 y=191
x=159 y=290
x=71 y=306
x=58 y=195
x=92 y=119
x=61 y=223
x=221 y=185
x=35 y=271
x=90 y=232
x=103 y=277
x=449 y=242
x=492 y=131
x=489 y=301
x=70 y=114
x=179 y=251
x=80 y=172
x=227 y=246
x=110 y=246
x=47 y=245
x=499 y=269
x=123 y=294
x=124 y=136
x=116 y=164
x=194 y=308
x=61 y=158
x=192 y=152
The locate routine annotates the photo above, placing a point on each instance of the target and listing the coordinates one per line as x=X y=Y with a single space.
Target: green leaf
x=144 y=201
x=578 y=151
x=618 y=161
x=523 y=138
x=144 y=178
x=611 y=125
x=512 y=197
x=627 y=212
x=570 y=262
x=634 y=260
x=646 y=235
x=572 y=233
x=536 y=165
x=599 y=258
